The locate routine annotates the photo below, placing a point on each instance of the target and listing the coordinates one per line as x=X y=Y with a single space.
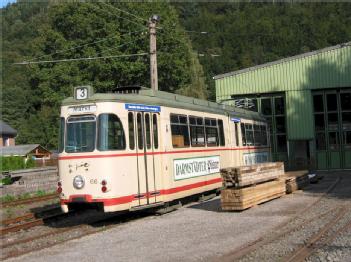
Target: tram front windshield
x=80 y=134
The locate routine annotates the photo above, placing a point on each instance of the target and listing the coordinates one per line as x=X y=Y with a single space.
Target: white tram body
x=127 y=151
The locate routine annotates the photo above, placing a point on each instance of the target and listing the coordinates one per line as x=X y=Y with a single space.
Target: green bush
x=11 y=163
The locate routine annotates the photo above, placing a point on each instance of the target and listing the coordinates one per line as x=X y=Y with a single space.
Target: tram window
x=179 y=130
x=155 y=130
x=320 y=141
x=211 y=132
x=249 y=135
x=62 y=134
x=197 y=132
x=221 y=132
x=236 y=134
x=333 y=140
x=131 y=130
x=147 y=131
x=345 y=99
x=110 y=133
x=318 y=103
x=243 y=134
x=281 y=143
x=140 y=132
x=257 y=135
x=80 y=134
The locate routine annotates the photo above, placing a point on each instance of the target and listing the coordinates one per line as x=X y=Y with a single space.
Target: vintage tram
x=139 y=148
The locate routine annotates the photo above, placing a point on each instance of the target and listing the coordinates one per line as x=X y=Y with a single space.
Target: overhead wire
x=87 y=44
x=124 y=11
x=80 y=59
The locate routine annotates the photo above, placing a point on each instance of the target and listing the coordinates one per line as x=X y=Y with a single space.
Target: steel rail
x=307 y=249
x=246 y=249
x=29 y=200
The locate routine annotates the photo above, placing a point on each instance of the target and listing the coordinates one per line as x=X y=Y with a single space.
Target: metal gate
x=332 y=121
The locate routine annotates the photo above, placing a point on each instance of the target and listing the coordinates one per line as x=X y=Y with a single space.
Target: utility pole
x=153 y=55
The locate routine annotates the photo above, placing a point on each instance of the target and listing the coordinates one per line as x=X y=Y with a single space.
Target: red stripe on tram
x=158 y=153
x=130 y=198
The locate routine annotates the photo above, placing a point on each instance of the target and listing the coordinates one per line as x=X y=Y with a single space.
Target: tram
x=140 y=148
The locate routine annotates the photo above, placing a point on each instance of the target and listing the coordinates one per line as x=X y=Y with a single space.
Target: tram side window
x=211 y=132
x=155 y=130
x=249 y=135
x=147 y=131
x=110 y=133
x=62 y=134
x=243 y=134
x=236 y=134
x=140 y=132
x=131 y=130
x=197 y=131
x=221 y=132
x=179 y=130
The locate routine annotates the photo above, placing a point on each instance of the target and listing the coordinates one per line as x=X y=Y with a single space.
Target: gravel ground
x=200 y=231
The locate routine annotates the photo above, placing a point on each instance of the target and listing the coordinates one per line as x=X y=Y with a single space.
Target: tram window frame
x=197 y=130
x=61 y=146
x=82 y=119
x=249 y=133
x=147 y=130
x=179 y=130
x=221 y=132
x=140 y=131
x=155 y=130
x=211 y=131
x=243 y=134
x=117 y=137
x=131 y=131
x=236 y=130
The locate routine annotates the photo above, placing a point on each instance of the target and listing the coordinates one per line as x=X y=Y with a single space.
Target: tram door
x=148 y=162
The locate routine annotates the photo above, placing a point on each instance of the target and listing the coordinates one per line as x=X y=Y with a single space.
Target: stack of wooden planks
x=247 y=186
x=296 y=180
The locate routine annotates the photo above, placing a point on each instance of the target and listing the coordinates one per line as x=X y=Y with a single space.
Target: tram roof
x=151 y=97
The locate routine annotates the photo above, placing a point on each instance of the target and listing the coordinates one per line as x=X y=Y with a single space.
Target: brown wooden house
x=7 y=135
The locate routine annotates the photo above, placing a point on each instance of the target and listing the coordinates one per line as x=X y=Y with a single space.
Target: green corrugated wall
x=297 y=76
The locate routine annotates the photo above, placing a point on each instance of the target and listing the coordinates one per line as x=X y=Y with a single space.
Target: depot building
x=307 y=101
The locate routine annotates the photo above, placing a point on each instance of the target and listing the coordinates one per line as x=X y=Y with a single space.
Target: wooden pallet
x=236 y=199
x=296 y=180
x=250 y=175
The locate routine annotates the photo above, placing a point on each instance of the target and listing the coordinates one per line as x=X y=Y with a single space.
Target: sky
x=3 y=3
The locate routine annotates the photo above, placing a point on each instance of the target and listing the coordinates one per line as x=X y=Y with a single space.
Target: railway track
x=257 y=244
x=100 y=223
x=321 y=238
x=28 y=220
x=29 y=200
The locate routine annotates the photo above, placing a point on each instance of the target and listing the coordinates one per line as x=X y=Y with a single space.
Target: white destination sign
x=255 y=158
x=194 y=167
x=82 y=109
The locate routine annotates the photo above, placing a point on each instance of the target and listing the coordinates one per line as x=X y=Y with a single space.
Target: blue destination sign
x=144 y=108
x=235 y=120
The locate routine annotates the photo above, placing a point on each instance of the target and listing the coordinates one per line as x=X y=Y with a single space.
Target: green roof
x=161 y=98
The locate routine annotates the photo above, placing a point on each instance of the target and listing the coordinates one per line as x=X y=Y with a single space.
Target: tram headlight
x=78 y=182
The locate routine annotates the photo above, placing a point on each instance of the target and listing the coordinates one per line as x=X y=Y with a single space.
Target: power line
x=79 y=59
x=124 y=11
x=131 y=21
x=113 y=48
x=79 y=46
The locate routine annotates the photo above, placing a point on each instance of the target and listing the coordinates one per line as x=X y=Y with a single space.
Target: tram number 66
x=93 y=181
